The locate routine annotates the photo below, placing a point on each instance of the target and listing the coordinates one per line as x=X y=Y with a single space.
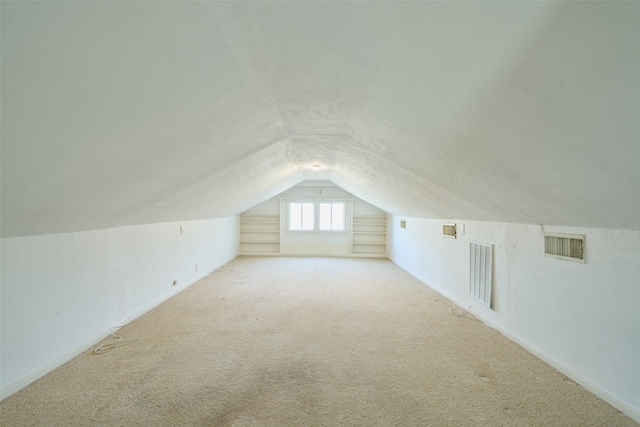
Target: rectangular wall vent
x=481 y=269
x=568 y=247
x=449 y=230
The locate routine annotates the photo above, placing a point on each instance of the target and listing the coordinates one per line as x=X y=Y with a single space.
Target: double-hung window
x=301 y=216
x=317 y=216
x=331 y=216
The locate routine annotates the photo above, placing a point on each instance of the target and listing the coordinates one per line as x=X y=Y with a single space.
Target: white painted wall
x=583 y=319
x=61 y=293
x=314 y=243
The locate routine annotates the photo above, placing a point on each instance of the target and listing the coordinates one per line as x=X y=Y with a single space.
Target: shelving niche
x=369 y=235
x=259 y=234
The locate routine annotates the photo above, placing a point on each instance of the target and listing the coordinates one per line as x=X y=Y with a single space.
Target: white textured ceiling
x=118 y=113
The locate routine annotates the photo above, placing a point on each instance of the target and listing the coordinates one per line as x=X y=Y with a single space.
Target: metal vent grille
x=481 y=269
x=449 y=230
x=564 y=246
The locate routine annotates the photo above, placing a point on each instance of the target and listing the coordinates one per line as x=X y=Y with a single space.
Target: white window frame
x=348 y=217
x=313 y=213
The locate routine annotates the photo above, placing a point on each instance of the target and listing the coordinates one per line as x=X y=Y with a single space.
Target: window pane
x=295 y=216
x=307 y=216
x=325 y=216
x=337 y=216
x=331 y=217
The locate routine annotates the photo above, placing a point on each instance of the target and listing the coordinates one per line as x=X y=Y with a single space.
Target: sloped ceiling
x=126 y=113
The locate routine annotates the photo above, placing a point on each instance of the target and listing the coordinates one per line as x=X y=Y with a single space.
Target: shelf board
x=260 y=222
x=259 y=253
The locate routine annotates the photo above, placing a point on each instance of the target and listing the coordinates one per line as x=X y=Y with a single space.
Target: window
x=301 y=216
x=317 y=216
x=332 y=216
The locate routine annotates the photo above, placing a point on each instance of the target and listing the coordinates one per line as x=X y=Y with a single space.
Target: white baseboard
x=41 y=372
x=311 y=255
x=622 y=406
x=603 y=394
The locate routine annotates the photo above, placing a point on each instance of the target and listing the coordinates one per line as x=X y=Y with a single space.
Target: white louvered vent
x=449 y=230
x=481 y=266
x=569 y=247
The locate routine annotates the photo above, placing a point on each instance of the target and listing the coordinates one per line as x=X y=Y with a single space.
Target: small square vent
x=569 y=247
x=449 y=230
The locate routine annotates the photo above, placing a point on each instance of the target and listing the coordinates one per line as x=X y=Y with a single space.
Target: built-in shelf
x=259 y=234
x=369 y=235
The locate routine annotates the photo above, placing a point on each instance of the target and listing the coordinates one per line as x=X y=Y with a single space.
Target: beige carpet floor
x=308 y=342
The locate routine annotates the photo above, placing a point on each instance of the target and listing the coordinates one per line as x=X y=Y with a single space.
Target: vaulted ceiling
x=119 y=113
